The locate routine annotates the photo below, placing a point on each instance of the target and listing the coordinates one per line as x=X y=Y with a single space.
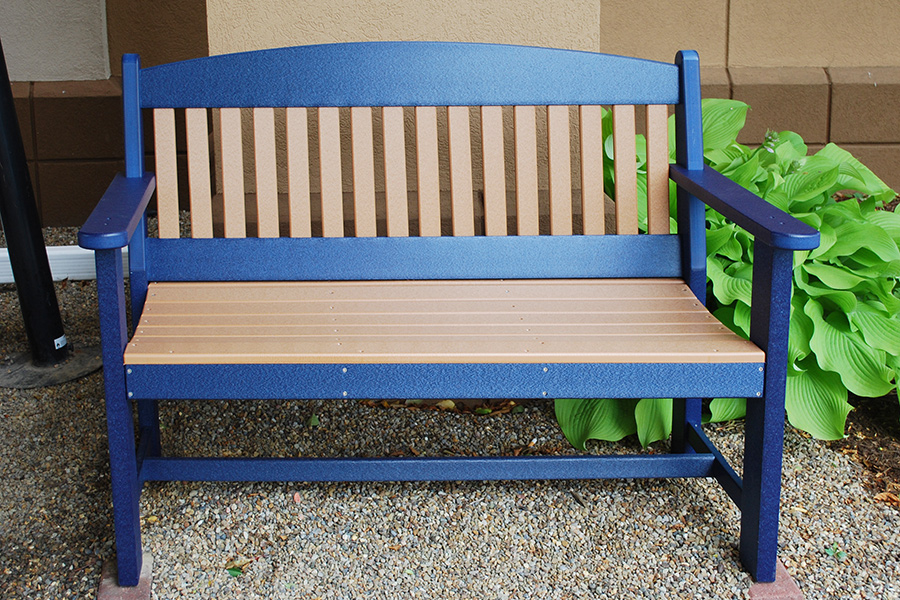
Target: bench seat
x=531 y=321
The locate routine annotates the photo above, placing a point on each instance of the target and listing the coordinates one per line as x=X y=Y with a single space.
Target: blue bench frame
x=413 y=74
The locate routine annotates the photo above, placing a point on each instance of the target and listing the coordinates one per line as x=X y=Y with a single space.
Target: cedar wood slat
x=198 y=172
x=363 y=171
x=233 y=172
x=593 y=204
x=461 y=194
x=625 y=171
x=657 y=169
x=330 y=172
x=560 y=166
x=266 y=176
x=166 y=172
x=525 y=126
x=297 y=134
x=395 y=172
x=494 y=170
x=428 y=172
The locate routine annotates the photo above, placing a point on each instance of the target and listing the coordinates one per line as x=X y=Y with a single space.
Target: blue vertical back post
x=148 y=411
x=770 y=313
x=691 y=217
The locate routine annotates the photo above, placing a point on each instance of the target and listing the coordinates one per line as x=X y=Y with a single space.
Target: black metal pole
x=27 y=254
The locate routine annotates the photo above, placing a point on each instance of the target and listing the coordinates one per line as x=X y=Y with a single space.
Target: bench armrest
x=766 y=222
x=116 y=217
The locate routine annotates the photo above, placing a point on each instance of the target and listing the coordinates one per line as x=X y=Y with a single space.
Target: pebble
x=618 y=539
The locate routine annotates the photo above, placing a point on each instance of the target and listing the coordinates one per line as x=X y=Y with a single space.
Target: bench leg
x=148 y=425
x=770 y=311
x=685 y=412
x=761 y=497
x=126 y=487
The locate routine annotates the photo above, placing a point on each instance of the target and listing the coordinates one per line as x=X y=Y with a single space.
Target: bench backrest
x=403 y=139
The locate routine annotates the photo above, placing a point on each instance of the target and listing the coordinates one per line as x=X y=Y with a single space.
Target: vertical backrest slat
x=266 y=174
x=363 y=171
x=166 y=172
x=525 y=127
x=233 y=173
x=461 y=192
x=330 y=172
x=297 y=134
x=625 y=169
x=657 y=169
x=428 y=183
x=395 y=172
x=494 y=170
x=593 y=203
x=559 y=162
x=197 y=128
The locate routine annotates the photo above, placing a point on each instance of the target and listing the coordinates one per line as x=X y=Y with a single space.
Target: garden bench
x=398 y=220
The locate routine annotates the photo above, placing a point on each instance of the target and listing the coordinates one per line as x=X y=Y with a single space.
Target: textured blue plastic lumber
x=770 y=312
x=443 y=468
x=394 y=381
x=131 y=104
x=691 y=220
x=118 y=214
x=475 y=257
x=120 y=427
x=409 y=74
x=721 y=470
x=766 y=222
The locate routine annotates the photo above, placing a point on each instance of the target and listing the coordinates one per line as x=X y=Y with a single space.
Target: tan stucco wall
x=251 y=24
x=734 y=33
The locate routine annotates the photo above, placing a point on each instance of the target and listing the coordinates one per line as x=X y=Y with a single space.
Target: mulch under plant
x=873 y=438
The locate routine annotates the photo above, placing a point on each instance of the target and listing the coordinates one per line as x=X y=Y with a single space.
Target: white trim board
x=66 y=262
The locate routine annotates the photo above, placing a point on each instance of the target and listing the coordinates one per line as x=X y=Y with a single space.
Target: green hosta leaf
x=878 y=330
x=812 y=180
x=861 y=368
x=722 y=121
x=791 y=147
x=888 y=221
x=800 y=331
x=595 y=419
x=833 y=277
x=871 y=183
x=727 y=409
x=718 y=236
x=816 y=402
x=746 y=174
x=742 y=318
x=853 y=236
x=827 y=239
x=654 y=419
x=727 y=288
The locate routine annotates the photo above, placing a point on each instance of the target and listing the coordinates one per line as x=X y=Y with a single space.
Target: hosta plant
x=845 y=309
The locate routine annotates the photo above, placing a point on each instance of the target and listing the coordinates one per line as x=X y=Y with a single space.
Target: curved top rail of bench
x=408 y=74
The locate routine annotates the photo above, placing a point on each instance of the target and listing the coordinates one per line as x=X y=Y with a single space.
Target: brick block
x=71 y=189
x=794 y=98
x=78 y=119
x=21 y=91
x=714 y=82
x=865 y=104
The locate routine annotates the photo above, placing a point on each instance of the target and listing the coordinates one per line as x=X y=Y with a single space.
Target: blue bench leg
x=770 y=311
x=764 y=433
x=148 y=424
x=126 y=487
x=685 y=412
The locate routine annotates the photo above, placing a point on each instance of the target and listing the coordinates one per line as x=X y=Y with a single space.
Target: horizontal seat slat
x=217 y=325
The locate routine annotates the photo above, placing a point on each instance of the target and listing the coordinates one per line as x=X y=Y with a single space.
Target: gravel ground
x=622 y=539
